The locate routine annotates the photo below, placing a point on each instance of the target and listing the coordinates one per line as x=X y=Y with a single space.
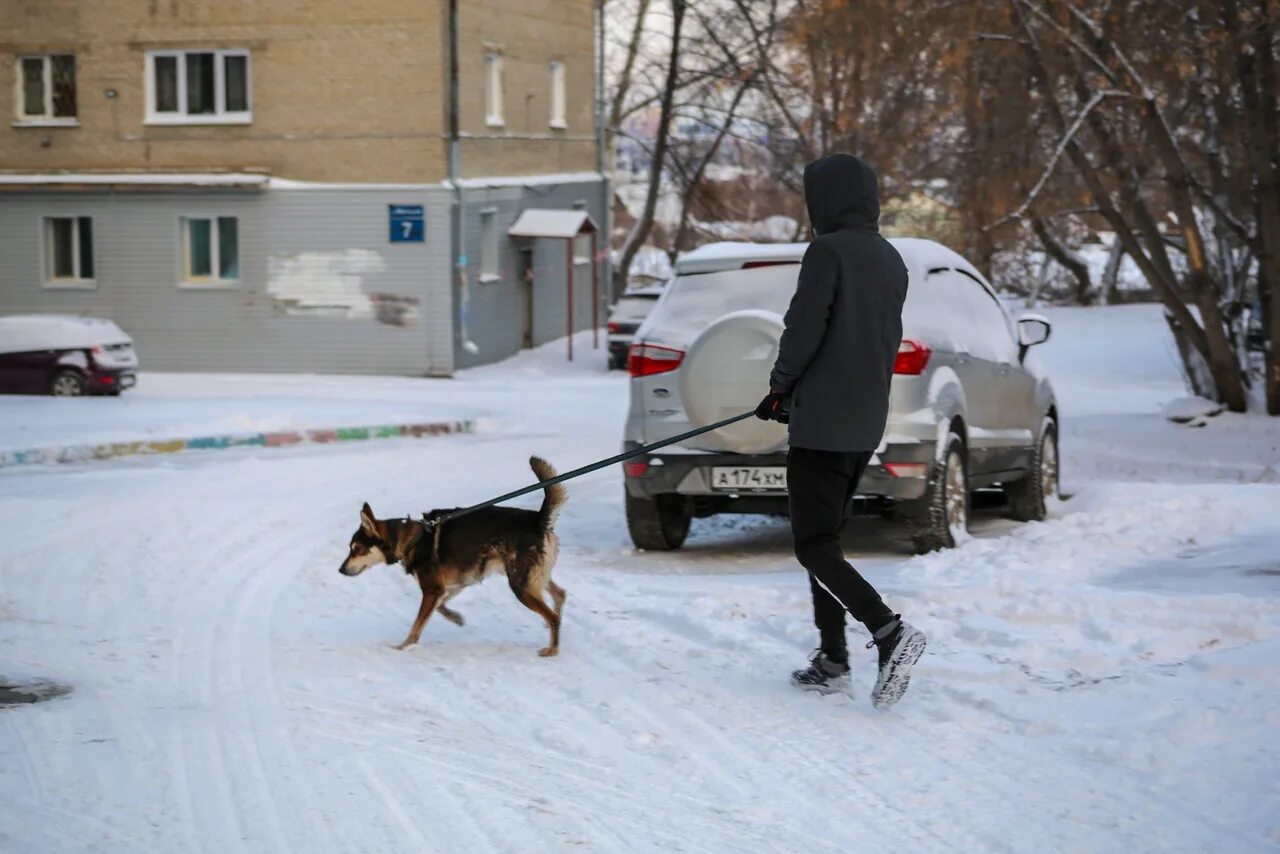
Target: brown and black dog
x=522 y=543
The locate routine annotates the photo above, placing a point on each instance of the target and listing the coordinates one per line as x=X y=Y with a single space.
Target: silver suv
x=968 y=408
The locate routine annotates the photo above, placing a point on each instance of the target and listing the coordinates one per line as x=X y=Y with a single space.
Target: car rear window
x=632 y=309
x=694 y=302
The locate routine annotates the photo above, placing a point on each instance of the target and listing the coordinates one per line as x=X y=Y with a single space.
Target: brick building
x=284 y=186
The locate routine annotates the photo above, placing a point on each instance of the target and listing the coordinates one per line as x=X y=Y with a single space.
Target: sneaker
x=900 y=648
x=824 y=675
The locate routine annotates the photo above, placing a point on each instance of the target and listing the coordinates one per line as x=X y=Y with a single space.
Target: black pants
x=821 y=485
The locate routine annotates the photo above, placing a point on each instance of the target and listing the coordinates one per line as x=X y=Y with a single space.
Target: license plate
x=750 y=478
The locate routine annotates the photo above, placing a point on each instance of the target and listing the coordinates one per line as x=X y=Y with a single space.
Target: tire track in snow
x=494 y=779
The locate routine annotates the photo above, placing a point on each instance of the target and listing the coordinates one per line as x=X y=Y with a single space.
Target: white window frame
x=490 y=246
x=214 y=281
x=557 y=73
x=77 y=282
x=48 y=119
x=493 y=83
x=220 y=114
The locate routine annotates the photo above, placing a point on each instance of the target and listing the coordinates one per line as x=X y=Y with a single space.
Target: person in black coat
x=830 y=384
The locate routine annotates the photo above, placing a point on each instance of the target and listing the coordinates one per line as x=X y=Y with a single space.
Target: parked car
x=968 y=409
x=64 y=355
x=628 y=313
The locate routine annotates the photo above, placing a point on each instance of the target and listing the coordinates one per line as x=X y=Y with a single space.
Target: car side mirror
x=1033 y=329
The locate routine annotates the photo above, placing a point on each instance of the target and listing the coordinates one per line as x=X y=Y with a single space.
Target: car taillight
x=635 y=469
x=645 y=360
x=613 y=327
x=912 y=357
x=907 y=469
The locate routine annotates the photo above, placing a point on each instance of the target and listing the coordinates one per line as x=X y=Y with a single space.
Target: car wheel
x=941 y=517
x=67 y=383
x=1028 y=498
x=657 y=524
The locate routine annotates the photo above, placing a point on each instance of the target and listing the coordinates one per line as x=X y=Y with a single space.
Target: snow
x=195 y=179
x=1191 y=410
x=1102 y=681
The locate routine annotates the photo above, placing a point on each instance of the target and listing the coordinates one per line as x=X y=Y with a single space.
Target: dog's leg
x=430 y=599
x=557 y=594
x=524 y=585
x=447 y=612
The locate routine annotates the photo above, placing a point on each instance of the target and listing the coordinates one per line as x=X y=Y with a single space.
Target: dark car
x=627 y=315
x=64 y=355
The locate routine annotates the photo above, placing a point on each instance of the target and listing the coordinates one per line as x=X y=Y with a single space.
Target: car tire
x=1028 y=498
x=658 y=524
x=67 y=383
x=937 y=519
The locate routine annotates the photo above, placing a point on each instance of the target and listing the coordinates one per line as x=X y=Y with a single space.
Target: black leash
x=570 y=475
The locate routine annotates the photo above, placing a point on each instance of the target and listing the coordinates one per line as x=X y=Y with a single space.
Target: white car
x=968 y=409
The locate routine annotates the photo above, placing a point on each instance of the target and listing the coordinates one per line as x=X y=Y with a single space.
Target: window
x=493 y=89
x=68 y=250
x=557 y=94
x=197 y=87
x=582 y=249
x=979 y=319
x=210 y=250
x=489 y=246
x=46 y=89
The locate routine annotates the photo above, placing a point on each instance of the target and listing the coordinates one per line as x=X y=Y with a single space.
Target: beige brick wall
x=342 y=91
x=528 y=35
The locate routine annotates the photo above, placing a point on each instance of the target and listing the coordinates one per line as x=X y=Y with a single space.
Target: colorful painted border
x=276 y=439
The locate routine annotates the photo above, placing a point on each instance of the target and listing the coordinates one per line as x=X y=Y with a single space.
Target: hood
x=840 y=192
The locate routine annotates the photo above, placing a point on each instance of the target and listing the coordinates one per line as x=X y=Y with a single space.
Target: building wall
x=528 y=35
x=495 y=309
x=350 y=92
x=315 y=266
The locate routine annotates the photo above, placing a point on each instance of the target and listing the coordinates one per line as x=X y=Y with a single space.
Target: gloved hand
x=774 y=408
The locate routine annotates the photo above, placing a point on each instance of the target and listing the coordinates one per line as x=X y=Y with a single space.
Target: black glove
x=774 y=408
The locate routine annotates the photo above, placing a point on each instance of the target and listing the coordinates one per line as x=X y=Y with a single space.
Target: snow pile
x=1191 y=410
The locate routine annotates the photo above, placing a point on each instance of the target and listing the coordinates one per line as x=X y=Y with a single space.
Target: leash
x=579 y=472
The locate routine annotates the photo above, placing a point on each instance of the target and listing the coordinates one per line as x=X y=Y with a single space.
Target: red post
x=568 y=244
x=595 y=294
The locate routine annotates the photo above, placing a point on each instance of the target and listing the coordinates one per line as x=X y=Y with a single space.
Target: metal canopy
x=544 y=222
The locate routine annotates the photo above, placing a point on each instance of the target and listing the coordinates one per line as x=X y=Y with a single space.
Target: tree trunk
x=1111 y=274
x=1064 y=256
x=1195 y=369
x=644 y=223
x=1255 y=65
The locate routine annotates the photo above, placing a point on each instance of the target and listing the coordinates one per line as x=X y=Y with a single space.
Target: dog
x=462 y=552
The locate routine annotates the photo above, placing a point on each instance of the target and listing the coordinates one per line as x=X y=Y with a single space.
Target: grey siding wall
x=495 y=313
x=321 y=287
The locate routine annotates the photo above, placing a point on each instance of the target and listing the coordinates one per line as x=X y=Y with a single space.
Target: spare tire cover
x=725 y=373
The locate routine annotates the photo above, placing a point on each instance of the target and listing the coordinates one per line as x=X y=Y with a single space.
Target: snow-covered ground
x=1103 y=681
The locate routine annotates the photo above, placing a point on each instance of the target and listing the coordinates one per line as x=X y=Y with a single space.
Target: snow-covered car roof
x=917 y=253
x=20 y=333
x=732 y=255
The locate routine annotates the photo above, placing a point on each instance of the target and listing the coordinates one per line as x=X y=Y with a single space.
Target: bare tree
x=644 y=223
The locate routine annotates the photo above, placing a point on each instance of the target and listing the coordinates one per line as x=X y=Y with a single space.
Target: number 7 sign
x=408 y=223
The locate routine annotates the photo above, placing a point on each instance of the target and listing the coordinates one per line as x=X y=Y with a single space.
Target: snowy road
x=1105 y=681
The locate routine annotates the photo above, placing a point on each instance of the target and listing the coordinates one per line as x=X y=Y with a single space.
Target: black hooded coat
x=844 y=324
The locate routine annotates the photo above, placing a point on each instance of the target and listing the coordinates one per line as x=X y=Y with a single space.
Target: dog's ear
x=367 y=522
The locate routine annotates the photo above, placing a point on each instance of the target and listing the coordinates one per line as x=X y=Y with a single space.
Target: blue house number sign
x=407 y=224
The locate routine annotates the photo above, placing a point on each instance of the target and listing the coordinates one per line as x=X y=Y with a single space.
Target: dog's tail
x=556 y=495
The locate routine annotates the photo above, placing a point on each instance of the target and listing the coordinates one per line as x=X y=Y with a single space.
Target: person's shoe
x=900 y=646
x=823 y=675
